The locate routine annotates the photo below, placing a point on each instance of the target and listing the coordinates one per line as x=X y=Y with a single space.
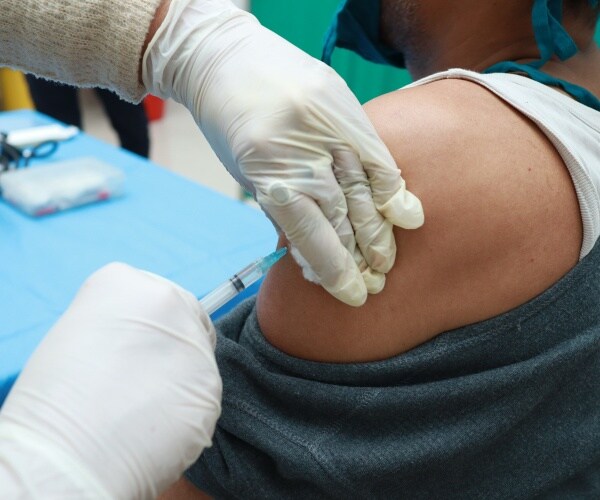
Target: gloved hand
x=119 y=398
x=290 y=131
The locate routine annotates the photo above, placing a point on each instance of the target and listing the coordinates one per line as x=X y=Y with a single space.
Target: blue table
x=164 y=224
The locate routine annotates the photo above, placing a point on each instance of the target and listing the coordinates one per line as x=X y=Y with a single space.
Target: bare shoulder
x=453 y=124
x=502 y=224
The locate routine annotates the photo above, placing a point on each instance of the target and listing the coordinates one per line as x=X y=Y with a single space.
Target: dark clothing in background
x=60 y=102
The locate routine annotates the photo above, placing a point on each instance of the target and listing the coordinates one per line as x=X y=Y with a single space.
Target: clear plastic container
x=45 y=189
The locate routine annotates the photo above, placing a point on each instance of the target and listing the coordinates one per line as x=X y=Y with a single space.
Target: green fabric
x=305 y=24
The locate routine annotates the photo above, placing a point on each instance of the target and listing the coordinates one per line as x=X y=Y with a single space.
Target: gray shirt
x=506 y=408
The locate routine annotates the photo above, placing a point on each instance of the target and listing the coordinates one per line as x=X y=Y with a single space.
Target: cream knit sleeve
x=89 y=43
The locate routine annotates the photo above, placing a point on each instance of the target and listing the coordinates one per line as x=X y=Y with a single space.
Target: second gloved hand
x=289 y=130
x=120 y=397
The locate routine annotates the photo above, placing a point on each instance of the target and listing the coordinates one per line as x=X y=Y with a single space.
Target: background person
x=61 y=102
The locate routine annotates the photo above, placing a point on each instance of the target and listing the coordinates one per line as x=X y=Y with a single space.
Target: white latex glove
x=119 y=398
x=289 y=130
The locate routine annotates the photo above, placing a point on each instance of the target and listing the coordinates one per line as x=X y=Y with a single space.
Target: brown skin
x=502 y=225
x=502 y=218
x=474 y=35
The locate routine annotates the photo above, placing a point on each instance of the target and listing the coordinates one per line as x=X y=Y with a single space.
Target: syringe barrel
x=218 y=297
x=250 y=274
x=239 y=282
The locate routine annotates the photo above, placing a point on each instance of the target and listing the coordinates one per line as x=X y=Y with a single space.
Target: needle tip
x=272 y=258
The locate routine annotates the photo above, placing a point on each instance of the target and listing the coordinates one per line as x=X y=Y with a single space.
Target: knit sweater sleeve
x=89 y=43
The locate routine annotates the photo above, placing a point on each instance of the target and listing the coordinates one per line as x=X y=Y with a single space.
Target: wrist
x=195 y=38
x=157 y=20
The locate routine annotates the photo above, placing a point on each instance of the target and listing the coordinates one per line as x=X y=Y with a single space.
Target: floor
x=176 y=144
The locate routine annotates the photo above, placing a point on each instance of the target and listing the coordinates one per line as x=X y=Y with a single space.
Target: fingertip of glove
x=348 y=285
x=352 y=293
x=404 y=209
x=374 y=281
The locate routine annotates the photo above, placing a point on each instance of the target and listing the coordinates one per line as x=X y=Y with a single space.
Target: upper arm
x=502 y=224
x=184 y=490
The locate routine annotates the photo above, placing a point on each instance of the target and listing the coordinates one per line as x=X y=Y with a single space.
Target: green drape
x=305 y=22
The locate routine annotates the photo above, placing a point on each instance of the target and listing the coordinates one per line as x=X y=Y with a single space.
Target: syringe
x=239 y=282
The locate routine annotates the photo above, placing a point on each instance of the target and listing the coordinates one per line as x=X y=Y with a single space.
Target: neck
x=488 y=36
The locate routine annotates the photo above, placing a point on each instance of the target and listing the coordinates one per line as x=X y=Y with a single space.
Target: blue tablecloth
x=164 y=224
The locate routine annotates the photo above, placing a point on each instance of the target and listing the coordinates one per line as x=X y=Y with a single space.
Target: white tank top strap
x=573 y=129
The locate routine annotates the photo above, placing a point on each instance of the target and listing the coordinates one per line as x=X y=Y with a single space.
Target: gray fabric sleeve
x=504 y=408
x=89 y=43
